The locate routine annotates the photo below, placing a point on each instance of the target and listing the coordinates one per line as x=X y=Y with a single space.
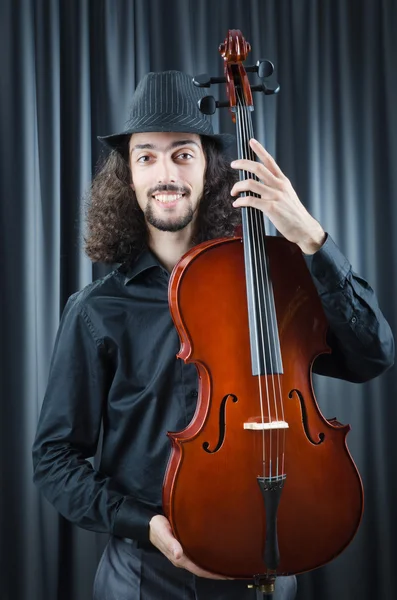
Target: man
x=165 y=187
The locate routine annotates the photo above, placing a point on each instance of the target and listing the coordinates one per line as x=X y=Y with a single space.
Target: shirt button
x=193 y=394
x=353 y=320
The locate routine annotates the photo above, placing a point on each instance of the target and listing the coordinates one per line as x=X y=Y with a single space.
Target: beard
x=173 y=223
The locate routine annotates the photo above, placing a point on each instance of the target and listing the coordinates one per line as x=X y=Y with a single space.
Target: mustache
x=168 y=187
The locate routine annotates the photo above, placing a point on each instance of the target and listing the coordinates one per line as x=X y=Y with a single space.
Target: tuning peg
x=266 y=90
x=208 y=105
x=265 y=68
x=205 y=80
x=251 y=69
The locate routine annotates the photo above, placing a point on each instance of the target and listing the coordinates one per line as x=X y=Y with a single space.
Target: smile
x=168 y=198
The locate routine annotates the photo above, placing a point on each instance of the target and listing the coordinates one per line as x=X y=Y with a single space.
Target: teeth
x=168 y=197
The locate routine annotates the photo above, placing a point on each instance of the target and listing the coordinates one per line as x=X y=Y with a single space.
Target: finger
x=163 y=538
x=256 y=168
x=266 y=158
x=187 y=564
x=254 y=186
x=251 y=201
x=167 y=543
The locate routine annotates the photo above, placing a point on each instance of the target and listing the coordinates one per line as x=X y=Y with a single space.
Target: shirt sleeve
x=68 y=433
x=360 y=338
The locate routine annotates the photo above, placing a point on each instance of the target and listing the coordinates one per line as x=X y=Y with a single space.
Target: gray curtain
x=68 y=69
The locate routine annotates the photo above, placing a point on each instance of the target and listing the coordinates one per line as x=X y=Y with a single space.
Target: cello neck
x=263 y=329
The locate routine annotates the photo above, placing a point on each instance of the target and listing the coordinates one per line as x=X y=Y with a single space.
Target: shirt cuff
x=328 y=267
x=132 y=520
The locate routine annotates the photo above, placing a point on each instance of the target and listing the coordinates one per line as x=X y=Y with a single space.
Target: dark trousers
x=129 y=572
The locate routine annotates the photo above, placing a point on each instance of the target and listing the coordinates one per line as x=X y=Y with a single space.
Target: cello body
x=210 y=493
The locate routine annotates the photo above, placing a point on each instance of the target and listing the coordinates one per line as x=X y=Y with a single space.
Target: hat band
x=158 y=121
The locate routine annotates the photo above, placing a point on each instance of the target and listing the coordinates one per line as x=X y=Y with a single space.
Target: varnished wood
x=212 y=500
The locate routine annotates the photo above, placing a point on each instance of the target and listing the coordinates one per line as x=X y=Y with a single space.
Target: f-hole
x=321 y=436
x=222 y=424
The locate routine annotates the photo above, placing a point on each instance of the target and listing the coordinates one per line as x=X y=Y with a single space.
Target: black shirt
x=114 y=364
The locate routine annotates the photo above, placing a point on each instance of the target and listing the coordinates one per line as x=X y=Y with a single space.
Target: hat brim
x=120 y=141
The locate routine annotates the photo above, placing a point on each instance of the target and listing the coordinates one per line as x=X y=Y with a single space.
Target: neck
x=169 y=247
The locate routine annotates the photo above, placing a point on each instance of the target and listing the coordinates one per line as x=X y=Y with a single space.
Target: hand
x=277 y=200
x=160 y=534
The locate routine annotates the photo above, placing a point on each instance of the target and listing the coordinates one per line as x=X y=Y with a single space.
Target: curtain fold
x=68 y=72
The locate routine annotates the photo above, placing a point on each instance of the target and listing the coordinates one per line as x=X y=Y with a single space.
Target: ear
x=132 y=187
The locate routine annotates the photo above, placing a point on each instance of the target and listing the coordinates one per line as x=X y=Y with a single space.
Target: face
x=167 y=177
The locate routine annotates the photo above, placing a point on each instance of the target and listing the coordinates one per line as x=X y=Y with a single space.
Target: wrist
x=314 y=241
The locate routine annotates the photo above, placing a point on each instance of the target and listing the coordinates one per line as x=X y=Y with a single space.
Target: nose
x=166 y=170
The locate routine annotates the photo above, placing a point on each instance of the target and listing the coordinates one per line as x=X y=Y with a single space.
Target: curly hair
x=116 y=227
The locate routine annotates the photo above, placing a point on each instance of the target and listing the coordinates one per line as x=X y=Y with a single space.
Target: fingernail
x=233 y=163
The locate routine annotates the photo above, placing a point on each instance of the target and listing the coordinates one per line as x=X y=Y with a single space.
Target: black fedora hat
x=166 y=101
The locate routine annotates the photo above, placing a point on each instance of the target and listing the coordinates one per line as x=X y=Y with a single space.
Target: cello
x=260 y=483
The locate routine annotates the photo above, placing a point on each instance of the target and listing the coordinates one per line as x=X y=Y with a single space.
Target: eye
x=184 y=156
x=143 y=159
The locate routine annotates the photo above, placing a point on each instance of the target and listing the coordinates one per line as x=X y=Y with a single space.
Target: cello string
x=262 y=310
x=244 y=123
x=250 y=282
x=270 y=314
x=274 y=326
x=276 y=378
x=260 y=234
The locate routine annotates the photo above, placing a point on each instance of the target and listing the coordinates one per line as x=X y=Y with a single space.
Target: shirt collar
x=145 y=261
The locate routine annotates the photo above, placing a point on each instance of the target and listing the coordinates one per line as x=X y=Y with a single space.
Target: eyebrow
x=176 y=144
